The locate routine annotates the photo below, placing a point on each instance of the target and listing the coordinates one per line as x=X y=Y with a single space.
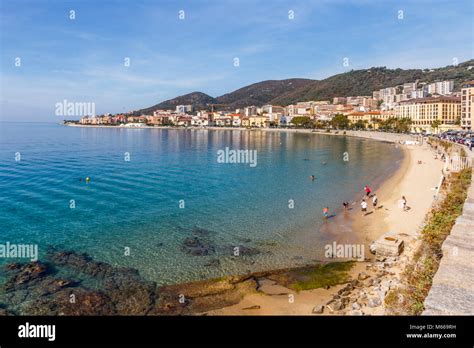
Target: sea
x=151 y=191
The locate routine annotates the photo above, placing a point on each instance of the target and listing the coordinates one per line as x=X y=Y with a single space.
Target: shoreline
x=269 y=297
x=375 y=278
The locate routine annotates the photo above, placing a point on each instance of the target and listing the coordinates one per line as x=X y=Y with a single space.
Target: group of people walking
x=364 y=205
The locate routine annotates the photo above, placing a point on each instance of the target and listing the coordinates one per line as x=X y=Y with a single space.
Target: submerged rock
x=213 y=263
x=36 y=289
x=197 y=247
x=22 y=274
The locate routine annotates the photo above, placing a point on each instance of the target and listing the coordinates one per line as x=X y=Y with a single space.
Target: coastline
x=267 y=296
x=373 y=279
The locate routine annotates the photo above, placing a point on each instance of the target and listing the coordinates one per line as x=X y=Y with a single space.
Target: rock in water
x=197 y=247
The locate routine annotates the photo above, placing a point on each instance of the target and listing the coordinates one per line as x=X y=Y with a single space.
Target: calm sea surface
x=136 y=203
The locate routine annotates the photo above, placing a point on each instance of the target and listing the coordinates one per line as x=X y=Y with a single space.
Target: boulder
x=319 y=309
x=197 y=246
x=374 y=302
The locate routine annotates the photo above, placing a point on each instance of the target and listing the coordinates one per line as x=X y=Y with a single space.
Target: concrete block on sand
x=388 y=246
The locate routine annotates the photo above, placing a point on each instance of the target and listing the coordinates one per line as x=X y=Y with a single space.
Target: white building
x=182 y=109
x=250 y=111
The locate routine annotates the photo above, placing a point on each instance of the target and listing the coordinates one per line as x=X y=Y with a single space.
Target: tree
x=301 y=121
x=340 y=121
x=435 y=124
x=359 y=124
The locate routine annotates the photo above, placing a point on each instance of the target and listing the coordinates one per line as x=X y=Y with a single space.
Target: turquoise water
x=135 y=203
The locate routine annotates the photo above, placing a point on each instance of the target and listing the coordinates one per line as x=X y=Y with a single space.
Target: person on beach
x=367 y=190
x=326 y=212
x=345 y=205
x=375 y=200
x=404 y=203
x=363 y=205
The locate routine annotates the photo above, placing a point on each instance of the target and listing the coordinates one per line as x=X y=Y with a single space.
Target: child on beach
x=375 y=200
x=363 y=205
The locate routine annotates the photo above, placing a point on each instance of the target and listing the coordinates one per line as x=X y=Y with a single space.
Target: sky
x=177 y=47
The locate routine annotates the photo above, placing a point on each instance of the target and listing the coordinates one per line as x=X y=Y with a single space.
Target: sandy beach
x=413 y=180
x=370 y=280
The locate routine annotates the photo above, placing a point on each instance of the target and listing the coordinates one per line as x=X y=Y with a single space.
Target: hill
x=351 y=83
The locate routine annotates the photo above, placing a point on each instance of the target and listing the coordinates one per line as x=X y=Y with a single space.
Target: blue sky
x=82 y=60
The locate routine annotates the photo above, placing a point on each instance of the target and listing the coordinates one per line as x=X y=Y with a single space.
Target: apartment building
x=467 y=105
x=424 y=111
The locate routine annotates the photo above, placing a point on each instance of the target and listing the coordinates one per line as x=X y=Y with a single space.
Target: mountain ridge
x=289 y=91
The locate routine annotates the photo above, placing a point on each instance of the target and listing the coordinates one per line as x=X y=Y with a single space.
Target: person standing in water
x=375 y=200
x=326 y=212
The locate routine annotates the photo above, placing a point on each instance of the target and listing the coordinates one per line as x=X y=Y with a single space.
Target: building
x=250 y=111
x=259 y=121
x=409 y=87
x=366 y=101
x=339 y=100
x=440 y=87
x=467 y=105
x=419 y=93
x=182 y=109
x=371 y=118
x=424 y=111
x=273 y=112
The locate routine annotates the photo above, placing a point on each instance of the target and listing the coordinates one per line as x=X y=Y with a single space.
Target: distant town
x=411 y=107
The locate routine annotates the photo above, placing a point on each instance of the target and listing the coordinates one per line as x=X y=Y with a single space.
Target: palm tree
x=435 y=124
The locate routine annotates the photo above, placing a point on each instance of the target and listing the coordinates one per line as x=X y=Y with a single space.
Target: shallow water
x=136 y=204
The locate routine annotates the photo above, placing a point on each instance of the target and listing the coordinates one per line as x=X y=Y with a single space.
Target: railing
x=457 y=163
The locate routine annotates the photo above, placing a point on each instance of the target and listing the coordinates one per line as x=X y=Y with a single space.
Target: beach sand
x=417 y=183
